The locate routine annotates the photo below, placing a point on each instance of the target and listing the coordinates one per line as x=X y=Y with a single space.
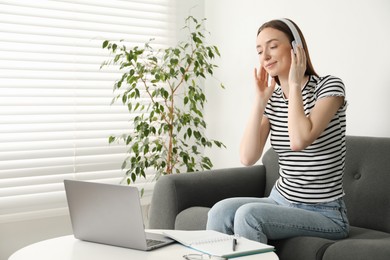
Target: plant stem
x=170 y=163
x=170 y=145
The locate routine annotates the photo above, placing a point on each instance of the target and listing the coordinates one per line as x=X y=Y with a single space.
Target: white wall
x=349 y=39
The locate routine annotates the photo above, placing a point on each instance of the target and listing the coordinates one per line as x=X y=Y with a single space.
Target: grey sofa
x=182 y=201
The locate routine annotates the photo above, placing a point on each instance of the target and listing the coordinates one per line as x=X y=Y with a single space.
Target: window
x=55 y=110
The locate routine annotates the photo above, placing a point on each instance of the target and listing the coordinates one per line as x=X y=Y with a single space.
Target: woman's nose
x=265 y=56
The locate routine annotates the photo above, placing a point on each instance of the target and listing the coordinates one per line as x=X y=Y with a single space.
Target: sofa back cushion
x=270 y=161
x=366 y=180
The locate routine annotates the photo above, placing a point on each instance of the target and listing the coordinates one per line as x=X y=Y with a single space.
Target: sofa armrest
x=174 y=193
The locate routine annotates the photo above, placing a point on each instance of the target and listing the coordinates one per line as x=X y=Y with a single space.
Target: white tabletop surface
x=69 y=248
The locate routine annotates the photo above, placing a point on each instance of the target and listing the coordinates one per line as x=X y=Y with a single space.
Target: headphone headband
x=294 y=31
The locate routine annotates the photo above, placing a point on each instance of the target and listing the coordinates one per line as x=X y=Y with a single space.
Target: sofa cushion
x=359 y=249
x=364 y=233
x=302 y=248
x=361 y=244
x=194 y=218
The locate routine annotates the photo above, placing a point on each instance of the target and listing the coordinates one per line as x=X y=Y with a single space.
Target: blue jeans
x=274 y=217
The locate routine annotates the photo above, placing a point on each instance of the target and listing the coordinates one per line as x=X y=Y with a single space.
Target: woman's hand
x=297 y=68
x=263 y=90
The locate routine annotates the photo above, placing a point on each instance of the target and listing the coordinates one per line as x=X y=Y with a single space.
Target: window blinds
x=55 y=112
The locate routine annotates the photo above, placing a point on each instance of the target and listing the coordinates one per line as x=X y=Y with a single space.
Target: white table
x=69 y=248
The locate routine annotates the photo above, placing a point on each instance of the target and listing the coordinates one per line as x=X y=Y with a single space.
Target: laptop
x=109 y=214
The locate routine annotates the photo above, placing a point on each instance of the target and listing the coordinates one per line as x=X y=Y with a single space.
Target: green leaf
x=197 y=135
x=117 y=57
x=217 y=50
x=135 y=148
x=123 y=165
x=105 y=44
x=124 y=99
x=137 y=93
x=143 y=173
x=165 y=94
x=174 y=62
x=128 y=140
x=154 y=59
x=163 y=164
x=219 y=144
x=111 y=139
x=177 y=52
x=189 y=132
x=146 y=149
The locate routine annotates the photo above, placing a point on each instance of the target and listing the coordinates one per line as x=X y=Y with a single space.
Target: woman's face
x=274 y=50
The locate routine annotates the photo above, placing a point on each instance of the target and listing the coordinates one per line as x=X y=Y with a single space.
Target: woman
x=304 y=114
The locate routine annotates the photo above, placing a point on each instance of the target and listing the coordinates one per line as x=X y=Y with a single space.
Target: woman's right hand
x=263 y=90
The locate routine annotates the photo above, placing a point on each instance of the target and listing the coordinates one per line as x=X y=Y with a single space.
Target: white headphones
x=294 y=31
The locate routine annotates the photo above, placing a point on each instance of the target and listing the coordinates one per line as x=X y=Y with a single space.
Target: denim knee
x=248 y=222
x=220 y=217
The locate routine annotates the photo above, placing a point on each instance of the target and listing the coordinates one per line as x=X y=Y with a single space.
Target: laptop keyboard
x=152 y=242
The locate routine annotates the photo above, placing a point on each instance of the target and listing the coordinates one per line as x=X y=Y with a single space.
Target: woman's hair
x=281 y=26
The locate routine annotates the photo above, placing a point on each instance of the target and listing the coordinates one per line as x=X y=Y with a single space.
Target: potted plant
x=168 y=134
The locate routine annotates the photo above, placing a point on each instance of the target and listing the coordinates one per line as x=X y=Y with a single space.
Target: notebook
x=109 y=214
x=218 y=244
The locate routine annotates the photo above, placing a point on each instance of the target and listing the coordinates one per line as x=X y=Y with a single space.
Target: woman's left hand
x=297 y=68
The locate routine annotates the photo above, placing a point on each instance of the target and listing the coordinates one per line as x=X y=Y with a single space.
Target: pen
x=234 y=244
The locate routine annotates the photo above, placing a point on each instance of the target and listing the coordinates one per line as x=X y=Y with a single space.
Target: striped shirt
x=312 y=175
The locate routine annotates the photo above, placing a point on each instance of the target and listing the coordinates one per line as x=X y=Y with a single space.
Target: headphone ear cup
x=294 y=45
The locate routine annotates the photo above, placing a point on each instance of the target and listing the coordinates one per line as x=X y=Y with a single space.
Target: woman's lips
x=269 y=65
